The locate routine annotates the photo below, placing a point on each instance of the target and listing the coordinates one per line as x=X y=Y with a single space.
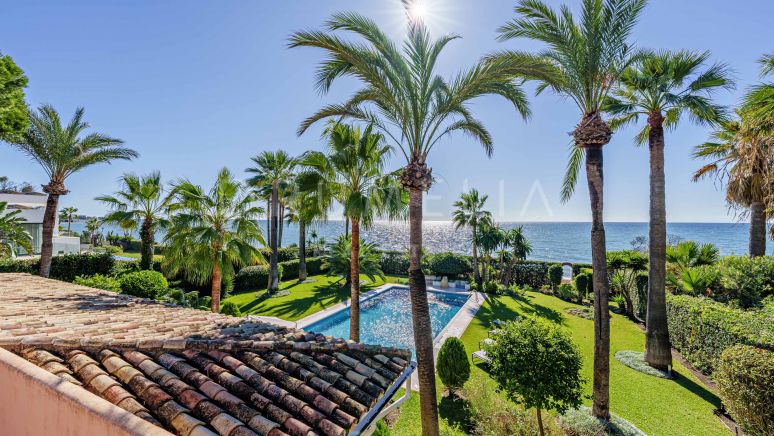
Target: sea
x=551 y=241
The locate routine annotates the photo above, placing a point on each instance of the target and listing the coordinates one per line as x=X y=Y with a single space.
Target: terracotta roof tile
x=194 y=372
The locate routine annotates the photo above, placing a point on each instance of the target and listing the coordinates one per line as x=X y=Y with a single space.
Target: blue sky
x=197 y=85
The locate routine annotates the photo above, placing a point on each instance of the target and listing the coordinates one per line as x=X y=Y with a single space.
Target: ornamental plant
x=144 y=284
x=536 y=363
x=555 y=273
x=453 y=364
x=99 y=281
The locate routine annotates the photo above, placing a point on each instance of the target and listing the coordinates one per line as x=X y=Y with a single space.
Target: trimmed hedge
x=257 y=276
x=701 y=329
x=449 y=264
x=745 y=379
x=532 y=273
x=65 y=267
x=394 y=262
x=285 y=254
x=144 y=284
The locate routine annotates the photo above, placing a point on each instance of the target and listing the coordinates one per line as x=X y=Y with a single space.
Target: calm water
x=386 y=318
x=566 y=242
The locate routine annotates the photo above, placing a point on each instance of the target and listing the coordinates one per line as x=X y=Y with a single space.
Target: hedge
x=449 y=264
x=285 y=254
x=701 y=329
x=532 y=273
x=745 y=378
x=257 y=277
x=394 y=262
x=64 y=267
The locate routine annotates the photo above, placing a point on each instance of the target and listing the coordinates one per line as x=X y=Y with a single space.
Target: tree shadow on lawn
x=456 y=412
x=496 y=309
x=697 y=389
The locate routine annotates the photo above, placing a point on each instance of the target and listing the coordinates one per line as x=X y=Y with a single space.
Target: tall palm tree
x=142 y=199
x=490 y=238
x=591 y=54
x=515 y=240
x=740 y=158
x=92 y=227
x=469 y=212
x=352 y=172
x=662 y=87
x=303 y=209
x=12 y=233
x=406 y=99
x=212 y=231
x=62 y=151
x=273 y=170
x=68 y=213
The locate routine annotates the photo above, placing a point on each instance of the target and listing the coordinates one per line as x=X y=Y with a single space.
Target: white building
x=33 y=206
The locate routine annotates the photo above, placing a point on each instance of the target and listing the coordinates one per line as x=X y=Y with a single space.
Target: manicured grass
x=655 y=405
x=137 y=255
x=304 y=299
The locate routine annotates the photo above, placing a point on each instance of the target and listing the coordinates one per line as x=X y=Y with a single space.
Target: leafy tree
x=211 y=232
x=590 y=54
x=453 y=364
x=62 y=151
x=469 y=212
x=12 y=234
x=405 y=98
x=142 y=202
x=273 y=171
x=352 y=172
x=14 y=119
x=536 y=363
x=339 y=260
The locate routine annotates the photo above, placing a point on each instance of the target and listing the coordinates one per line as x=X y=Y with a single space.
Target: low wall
x=35 y=402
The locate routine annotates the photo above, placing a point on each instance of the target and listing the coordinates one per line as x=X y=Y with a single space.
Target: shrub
x=580 y=422
x=701 y=329
x=145 y=284
x=381 y=429
x=582 y=285
x=491 y=287
x=314 y=265
x=449 y=264
x=555 y=273
x=67 y=266
x=566 y=292
x=745 y=379
x=748 y=280
x=230 y=308
x=99 y=281
x=395 y=262
x=536 y=363
x=29 y=266
x=286 y=254
x=491 y=414
x=641 y=295
x=531 y=273
x=254 y=277
x=453 y=365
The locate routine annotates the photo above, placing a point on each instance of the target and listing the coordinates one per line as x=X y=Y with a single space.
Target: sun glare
x=418 y=10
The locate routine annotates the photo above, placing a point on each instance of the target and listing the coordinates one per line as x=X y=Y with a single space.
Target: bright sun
x=418 y=10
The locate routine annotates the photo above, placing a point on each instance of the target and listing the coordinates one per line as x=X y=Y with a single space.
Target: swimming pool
x=385 y=319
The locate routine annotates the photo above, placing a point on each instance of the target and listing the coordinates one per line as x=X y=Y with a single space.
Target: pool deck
x=455 y=328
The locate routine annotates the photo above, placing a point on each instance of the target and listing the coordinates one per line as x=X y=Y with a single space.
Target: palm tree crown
x=211 y=232
x=469 y=212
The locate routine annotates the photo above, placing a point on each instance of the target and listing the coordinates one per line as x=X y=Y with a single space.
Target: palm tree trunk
x=601 y=383
x=268 y=218
x=476 y=275
x=69 y=224
x=354 y=274
x=346 y=227
x=47 y=245
x=757 y=229
x=216 y=278
x=658 y=351
x=281 y=224
x=274 y=276
x=420 y=311
x=301 y=251
x=146 y=237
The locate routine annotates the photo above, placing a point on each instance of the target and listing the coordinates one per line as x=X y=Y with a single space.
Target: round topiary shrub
x=555 y=273
x=230 y=308
x=449 y=264
x=582 y=285
x=145 y=284
x=745 y=377
x=453 y=365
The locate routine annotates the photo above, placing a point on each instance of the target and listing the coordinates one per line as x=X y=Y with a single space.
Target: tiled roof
x=194 y=372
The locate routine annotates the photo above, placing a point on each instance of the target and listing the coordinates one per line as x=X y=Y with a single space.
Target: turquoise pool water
x=386 y=319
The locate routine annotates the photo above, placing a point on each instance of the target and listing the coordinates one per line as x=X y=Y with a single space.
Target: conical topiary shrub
x=453 y=365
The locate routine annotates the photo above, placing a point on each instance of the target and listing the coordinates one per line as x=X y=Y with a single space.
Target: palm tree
x=12 y=233
x=490 y=237
x=352 y=172
x=273 y=170
x=92 y=227
x=469 y=212
x=739 y=155
x=758 y=103
x=339 y=260
x=141 y=199
x=303 y=210
x=662 y=87
x=591 y=55
x=406 y=99
x=515 y=240
x=212 y=232
x=61 y=151
x=68 y=213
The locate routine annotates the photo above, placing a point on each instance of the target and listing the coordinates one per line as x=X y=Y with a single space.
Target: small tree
x=536 y=363
x=453 y=364
x=582 y=285
x=555 y=273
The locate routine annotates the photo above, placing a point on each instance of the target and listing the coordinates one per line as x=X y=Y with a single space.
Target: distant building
x=32 y=206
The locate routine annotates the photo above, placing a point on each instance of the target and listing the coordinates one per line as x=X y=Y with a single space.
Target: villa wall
x=35 y=402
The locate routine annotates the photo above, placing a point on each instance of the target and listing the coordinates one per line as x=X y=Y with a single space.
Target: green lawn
x=304 y=299
x=137 y=255
x=657 y=406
